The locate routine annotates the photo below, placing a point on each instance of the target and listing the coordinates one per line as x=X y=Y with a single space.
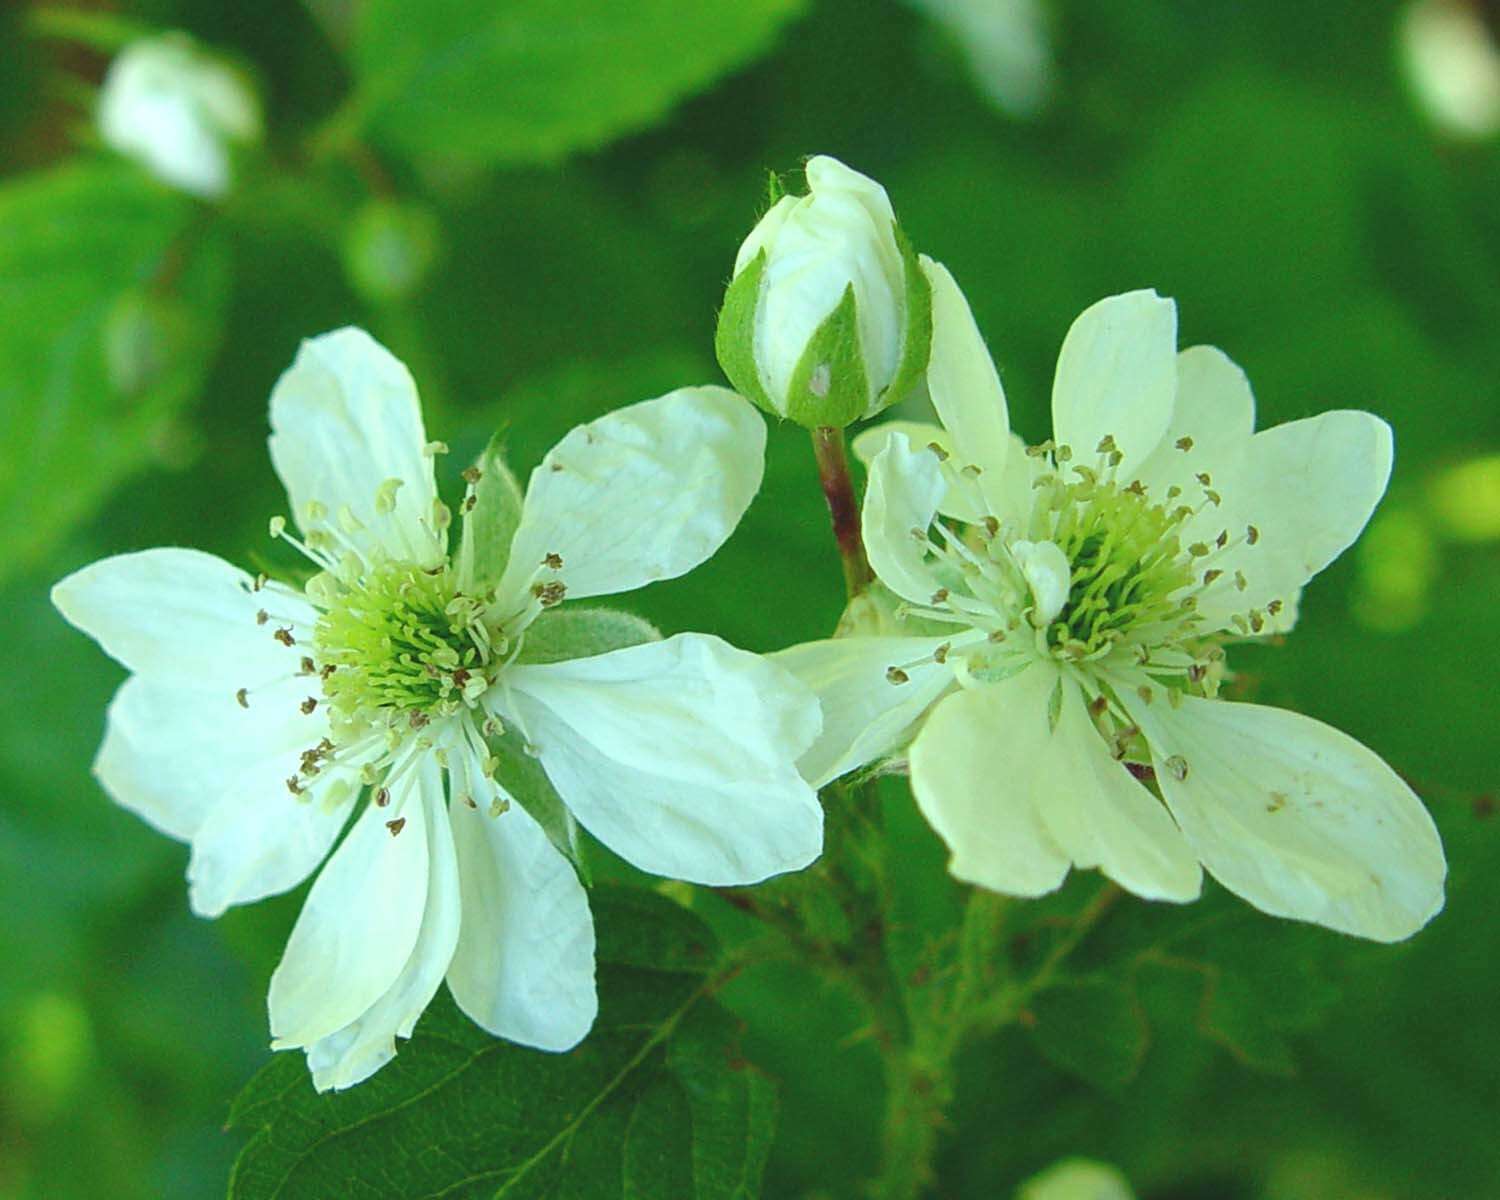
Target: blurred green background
x=1267 y=164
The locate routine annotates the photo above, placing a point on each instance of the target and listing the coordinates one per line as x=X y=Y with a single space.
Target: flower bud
x=179 y=111
x=829 y=317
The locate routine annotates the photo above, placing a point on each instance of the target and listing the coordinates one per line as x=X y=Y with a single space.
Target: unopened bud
x=829 y=317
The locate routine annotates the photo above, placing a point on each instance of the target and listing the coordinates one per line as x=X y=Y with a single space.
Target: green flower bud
x=390 y=249
x=828 y=319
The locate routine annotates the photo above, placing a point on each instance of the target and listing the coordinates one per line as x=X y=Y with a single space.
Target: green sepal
x=834 y=363
x=734 y=338
x=775 y=189
x=521 y=775
x=490 y=525
x=562 y=634
x=917 y=346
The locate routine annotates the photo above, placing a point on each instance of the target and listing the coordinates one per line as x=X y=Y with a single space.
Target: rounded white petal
x=524 y=966
x=259 y=840
x=1294 y=816
x=1117 y=376
x=347 y=433
x=1097 y=812
x=970 y=766
x=679 y=755
x=765 y=231
x=1214 y=417
x=367 y=1043
x=357 y=927
x=865 y=713
x=184 y=616
x=1308 y=488
x=646 y=492
x=1049 y=575
x=963 y=498
x=171 y=751
x=965 y=386
x=904 y=492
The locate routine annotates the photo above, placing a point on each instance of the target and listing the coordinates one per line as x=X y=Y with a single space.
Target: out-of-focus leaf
x=1092 y=1028
x=112 y=299
x=655 y=1102
x=519 y=81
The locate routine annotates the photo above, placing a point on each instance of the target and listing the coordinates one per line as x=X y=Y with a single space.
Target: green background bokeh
x=1262 y=163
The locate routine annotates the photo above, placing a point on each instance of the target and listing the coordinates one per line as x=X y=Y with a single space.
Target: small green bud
x=389 y=250
x=828 y=319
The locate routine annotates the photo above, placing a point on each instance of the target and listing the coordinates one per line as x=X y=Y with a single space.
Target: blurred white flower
x=826 y=319
x=1008 y=46
x=1453 y=63
x=257 y=713
x=1076 y=1179
x=180 y=111
x=1075 y=600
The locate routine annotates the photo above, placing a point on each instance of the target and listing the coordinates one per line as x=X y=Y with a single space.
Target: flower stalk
x=843 y=507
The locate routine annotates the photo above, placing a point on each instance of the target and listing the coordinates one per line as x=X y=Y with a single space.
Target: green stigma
x=400 y=639
x=1127 y=564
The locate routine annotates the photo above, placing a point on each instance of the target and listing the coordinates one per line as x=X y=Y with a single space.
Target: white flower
x=1452 y=61
x=178 y=111
x=1075 y=602
x=825 y=321
x=257 y=713
x=1076 y=1179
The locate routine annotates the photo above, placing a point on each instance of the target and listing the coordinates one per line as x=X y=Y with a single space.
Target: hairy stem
x=843 y=507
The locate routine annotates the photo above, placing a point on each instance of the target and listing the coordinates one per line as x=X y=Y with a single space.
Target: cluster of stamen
x=398 y=646
x=1133 y=586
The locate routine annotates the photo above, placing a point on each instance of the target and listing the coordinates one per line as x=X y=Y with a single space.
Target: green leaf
x=530 y=81
x=734 y=336
x=113 y=301
x=656 y=1102
x=561 y=634
x=829 y=386
x=1093 y=1028
x=484 y=547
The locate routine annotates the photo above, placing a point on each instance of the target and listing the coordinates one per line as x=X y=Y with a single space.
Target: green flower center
x=400 y=639
x=1126 y=565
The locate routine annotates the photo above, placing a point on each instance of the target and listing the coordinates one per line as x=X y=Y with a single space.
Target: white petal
x=902 y=496
x=357 y=927
x=1100 y=815
x=1049 y=575
x=184 y=616
x=646 y=492
x=1308 y=487
x=680 y=756
x=1214 y=409
x=259 y=840
x=963 y=498
x=1299 y=819
x=367 y=1043
x=971 y=771
x=1116 y=376
x=965 y=387
x=524 y=967
x=346 y=421
x=864 y=713
x=171 y=751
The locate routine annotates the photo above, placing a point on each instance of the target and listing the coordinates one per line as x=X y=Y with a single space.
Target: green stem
x=843 y=507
